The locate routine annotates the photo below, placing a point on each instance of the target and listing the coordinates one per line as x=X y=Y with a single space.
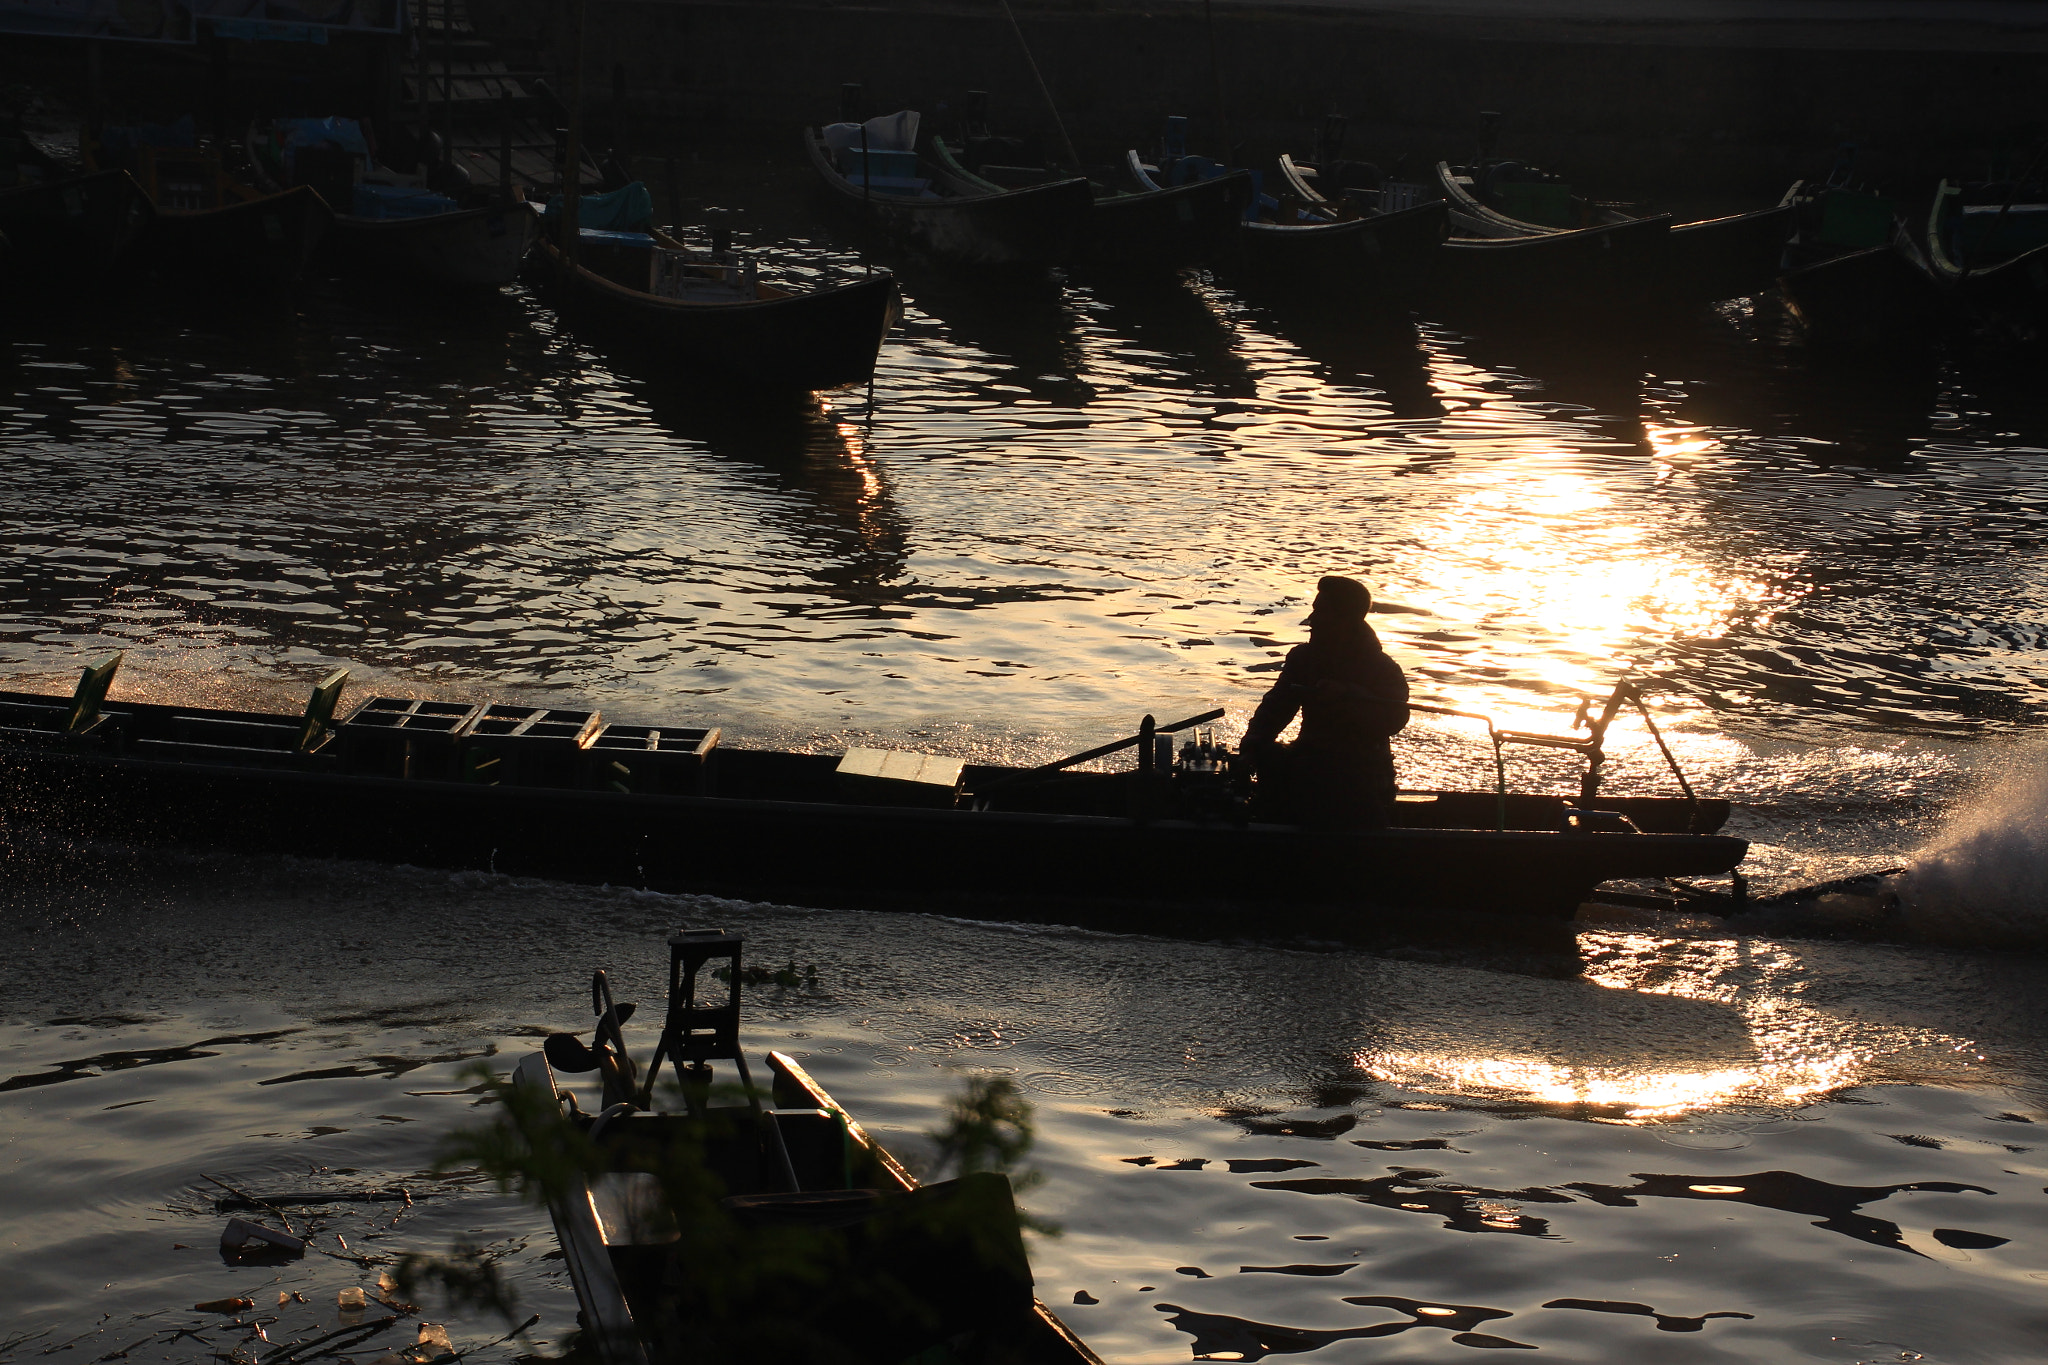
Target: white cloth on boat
x=895 y=132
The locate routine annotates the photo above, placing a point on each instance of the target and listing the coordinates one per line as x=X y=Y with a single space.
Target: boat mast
x=572 y=154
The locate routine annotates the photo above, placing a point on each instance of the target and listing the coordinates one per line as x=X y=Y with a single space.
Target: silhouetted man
x=1340 y=773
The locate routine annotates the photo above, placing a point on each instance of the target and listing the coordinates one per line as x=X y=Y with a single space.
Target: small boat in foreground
x=710 y=315
x=702 y=1231
x=874 y=169
x=570 y=794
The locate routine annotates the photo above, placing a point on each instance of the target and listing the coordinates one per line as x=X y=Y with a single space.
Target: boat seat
x=257 y=743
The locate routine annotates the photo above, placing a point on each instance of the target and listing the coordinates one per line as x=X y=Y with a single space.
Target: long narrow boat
x=571 y=796
x=1605 y=266
x=783 y=1225
x=957 y=220
x=1148 y=227
x=1705 y=260
x=72 y=233
x=716 y=319
x=1989 y=249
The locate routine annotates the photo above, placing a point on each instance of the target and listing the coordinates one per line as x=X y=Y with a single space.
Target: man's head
x=1340 y=602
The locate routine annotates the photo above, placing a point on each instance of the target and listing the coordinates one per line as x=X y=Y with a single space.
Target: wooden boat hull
x=1870 y=299
x=823 y=339
x=1726 y=258
x=1167 y=229
x=472 y=247
x=1615 y=266
x=2014 y=290
x=72 y=234
x=1394 y=254
x=266 y=242
x=1005 y=1322
x=1704 y=261
x=1032 y=228
x=802 y=843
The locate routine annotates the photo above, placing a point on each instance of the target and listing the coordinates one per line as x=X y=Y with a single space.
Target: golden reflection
x=1674 y=442
x=1562 y=582
x=1633 y=1095
x=1780 y=1053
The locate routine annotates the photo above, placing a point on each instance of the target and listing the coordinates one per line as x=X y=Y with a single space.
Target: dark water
x=1057 y=510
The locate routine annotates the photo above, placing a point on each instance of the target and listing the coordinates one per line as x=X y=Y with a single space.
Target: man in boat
x=1351 y=698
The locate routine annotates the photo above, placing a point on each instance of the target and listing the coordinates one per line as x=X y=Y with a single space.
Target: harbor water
x=1783 y=1137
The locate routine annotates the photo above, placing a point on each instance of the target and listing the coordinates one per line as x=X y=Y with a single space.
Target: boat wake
x=1983 y=881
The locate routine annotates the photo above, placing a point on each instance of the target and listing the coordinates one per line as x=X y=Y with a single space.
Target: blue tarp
x=623 y=210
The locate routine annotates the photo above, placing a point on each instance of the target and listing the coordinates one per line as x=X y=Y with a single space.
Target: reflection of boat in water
x=783 y=1224
x=1382 y=350
x=661 y=806
x=837 y=498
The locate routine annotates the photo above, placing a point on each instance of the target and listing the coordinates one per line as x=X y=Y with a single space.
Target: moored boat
x=1851 y=278
x=72 y=233
x=875 y=170
x=1146 y=227
x=1705 y=259
x=710 y=316
x=209 y=223
x=1988 y=246
x=694 y=1229
x=400 y=225
x=568 y=794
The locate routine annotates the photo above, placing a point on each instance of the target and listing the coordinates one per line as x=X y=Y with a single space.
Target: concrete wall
x=1683 y=94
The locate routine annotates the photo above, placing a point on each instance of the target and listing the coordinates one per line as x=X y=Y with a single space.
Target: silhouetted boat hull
x=781 y=825
x=265 y=241
x=1034 y=227
x=72 y=234
x=1392 y=253
x=480 y=247
x=820 y=339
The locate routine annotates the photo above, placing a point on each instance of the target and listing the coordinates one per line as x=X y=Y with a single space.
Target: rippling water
x=1054 y=511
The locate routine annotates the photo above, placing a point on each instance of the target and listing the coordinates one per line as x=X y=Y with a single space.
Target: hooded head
x=1340 y=610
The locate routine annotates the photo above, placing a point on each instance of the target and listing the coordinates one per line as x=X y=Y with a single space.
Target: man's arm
x=1276 y=711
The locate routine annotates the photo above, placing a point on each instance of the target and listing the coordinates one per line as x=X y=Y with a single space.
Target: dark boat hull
x=1870 y=299
x=72 y=234
x=472 y=247
x=823 y=339
x=1168 y=229
x=1032 y=228
x=824 y=852
x=1614 y=266
x=1726 y=258
x=1393 y=254
x=265 y=242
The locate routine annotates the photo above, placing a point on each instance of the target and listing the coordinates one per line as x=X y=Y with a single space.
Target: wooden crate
x=529 y=746
x=407 y=737
x=664 y=759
